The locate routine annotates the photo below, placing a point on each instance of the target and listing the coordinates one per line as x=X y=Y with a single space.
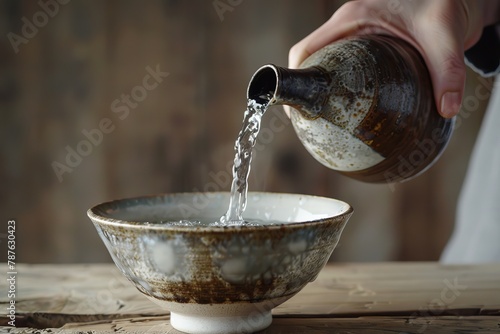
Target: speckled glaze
x=220 y=279
x=362 y=106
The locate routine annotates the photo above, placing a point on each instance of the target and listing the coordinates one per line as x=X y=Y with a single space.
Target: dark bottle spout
x=305 y=90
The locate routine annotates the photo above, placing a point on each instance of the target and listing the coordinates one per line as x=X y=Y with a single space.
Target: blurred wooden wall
x=75 y=72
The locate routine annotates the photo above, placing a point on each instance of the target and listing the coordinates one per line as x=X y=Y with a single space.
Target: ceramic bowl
x=220 y=279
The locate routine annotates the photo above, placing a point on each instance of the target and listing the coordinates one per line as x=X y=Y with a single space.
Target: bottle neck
x=306 y=90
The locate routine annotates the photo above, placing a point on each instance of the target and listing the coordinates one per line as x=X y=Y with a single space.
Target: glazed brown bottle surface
x=363 y=106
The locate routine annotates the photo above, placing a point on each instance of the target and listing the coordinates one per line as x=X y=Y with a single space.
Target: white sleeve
x=484 y=56
x=476 y=237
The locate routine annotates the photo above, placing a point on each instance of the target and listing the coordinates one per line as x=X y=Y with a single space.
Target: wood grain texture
x=388 y=297
x=361 y=325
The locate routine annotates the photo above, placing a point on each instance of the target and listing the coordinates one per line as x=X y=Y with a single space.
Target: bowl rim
x=96 y=217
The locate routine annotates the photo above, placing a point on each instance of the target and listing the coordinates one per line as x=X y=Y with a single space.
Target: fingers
x=447 y=71
x=314 y=41
x=438 y=29
x=442 y=47
x=353 y=18
x=343 y=20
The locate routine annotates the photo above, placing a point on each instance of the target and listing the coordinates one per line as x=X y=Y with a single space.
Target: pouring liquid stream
x=243 y=147
x=242 y=161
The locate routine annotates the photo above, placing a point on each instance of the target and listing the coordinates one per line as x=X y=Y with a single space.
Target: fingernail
x=450 y=104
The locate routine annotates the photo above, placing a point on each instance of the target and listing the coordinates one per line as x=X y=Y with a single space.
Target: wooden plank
x=53 y=295
x=409 y=288
x=76 y=290
x=473 y=324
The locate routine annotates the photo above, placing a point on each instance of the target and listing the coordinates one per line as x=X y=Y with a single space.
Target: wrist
x=490 y=12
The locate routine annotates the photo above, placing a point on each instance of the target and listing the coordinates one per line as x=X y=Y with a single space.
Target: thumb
x=442 y=46
x=447 y=70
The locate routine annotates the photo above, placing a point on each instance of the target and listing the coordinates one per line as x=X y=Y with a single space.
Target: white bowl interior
x=283 y=208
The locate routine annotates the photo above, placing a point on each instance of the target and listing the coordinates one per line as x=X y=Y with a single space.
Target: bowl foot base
x=244 y=323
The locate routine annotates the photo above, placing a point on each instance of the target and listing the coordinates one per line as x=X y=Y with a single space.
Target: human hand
x=441 y=30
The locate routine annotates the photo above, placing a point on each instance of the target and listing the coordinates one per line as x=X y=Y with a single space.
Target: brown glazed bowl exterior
x=180 y=266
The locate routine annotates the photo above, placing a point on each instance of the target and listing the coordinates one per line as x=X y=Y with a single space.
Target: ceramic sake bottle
x=363 y=106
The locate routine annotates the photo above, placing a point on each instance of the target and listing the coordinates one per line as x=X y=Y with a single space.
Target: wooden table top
x=345 y=298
